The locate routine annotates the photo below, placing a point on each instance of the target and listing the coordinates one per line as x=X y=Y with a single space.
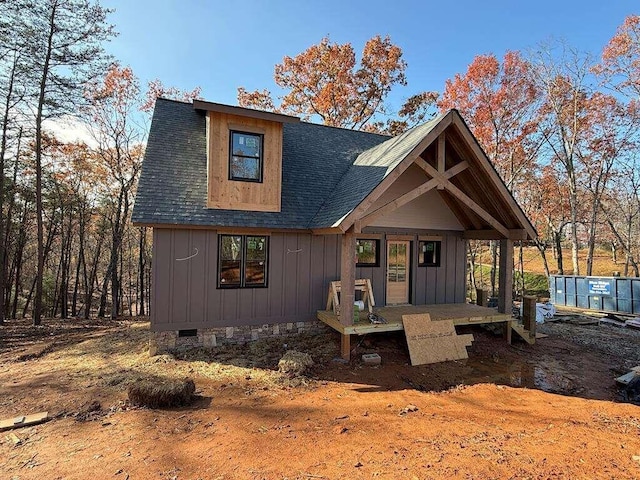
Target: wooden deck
x=460 y=313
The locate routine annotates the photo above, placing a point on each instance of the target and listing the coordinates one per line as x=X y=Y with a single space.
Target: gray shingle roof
x=317 y=161
x=368 y=170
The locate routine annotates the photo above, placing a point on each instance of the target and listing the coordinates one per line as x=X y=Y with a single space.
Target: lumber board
x=23 y=420
x=626 y=378
x=635 y=323
x=524 y=334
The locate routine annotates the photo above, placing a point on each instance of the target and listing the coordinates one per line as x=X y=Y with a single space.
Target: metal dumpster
x=609 y=294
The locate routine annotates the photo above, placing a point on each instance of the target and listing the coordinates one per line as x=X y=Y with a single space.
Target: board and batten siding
x=428 y=285
x=300 y=267
x=185 y=293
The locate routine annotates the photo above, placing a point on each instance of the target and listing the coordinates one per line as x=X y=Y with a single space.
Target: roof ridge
x=347 y=129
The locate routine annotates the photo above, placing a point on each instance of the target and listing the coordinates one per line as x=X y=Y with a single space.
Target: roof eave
x=244 y=112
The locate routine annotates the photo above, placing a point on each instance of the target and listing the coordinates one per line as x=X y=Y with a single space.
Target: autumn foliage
x=326 y=81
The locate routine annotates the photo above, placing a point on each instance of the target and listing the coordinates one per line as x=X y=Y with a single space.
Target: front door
x=397 y=272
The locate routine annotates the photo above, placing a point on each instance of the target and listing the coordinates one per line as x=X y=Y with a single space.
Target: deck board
x=459 y=313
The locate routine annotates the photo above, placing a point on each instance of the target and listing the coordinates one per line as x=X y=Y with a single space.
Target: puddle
x=546 y=376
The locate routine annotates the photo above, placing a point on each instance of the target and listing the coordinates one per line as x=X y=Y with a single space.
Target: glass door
x=397 y=272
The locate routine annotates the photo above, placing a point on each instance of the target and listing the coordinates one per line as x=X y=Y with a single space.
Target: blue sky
x=220 y=45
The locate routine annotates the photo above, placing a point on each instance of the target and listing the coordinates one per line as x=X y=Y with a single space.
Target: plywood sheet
x=434 y=341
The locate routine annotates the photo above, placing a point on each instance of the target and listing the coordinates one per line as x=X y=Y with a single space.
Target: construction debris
x=23 y=421
x=434 y=341
x=635 y=323
x=371 y=359
x=625 y=379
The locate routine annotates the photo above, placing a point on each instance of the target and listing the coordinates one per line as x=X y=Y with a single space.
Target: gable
x=452 y=165
x=426 y=212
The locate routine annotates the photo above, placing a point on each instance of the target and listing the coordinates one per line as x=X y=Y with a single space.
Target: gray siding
x=301 y=265
x=429 y=285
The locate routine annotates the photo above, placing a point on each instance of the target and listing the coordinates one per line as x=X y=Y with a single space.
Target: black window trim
x=438 y=246
x=377 y=261
x=243 y=257
x=260 y=159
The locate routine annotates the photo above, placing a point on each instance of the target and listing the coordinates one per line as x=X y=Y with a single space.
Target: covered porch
x=433 y=177
x=458 y=313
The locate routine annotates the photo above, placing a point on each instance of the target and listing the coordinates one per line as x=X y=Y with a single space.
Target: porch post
x=347 y=287
x=505 y=279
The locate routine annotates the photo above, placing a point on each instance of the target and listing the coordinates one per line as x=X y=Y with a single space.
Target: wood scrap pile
x=630 y=383
x=597 y=318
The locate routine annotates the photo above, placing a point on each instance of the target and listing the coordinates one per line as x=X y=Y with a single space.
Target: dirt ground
x=548 y=411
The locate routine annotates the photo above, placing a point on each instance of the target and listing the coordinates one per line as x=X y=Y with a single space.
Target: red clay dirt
x=485 y=417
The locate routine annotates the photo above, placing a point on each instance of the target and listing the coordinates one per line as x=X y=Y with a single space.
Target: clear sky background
x=220 y=45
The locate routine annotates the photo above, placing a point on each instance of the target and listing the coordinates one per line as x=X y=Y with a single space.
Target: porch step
x=525 y=334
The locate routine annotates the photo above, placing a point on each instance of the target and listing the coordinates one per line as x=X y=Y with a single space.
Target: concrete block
x=371 y=359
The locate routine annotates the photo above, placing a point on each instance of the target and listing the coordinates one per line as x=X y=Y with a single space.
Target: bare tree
x=64 y=42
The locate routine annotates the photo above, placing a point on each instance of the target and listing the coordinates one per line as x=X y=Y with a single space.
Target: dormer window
x=245 y=158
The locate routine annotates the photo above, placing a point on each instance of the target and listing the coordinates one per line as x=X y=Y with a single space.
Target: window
x=242 y=261
x=192 y=332
x=367 y=252
x=245 y=158
x=429 y=253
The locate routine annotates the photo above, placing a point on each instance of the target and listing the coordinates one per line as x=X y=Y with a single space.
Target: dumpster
x=608 y=294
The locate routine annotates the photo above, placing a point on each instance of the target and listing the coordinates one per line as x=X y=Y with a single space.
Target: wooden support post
x=507 y=331
x=347 y=277
x=345 y=346
x=529 y=314
x=505 y=279
x=482 y=297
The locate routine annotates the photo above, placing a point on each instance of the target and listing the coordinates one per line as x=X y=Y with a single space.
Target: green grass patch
x=534 y=283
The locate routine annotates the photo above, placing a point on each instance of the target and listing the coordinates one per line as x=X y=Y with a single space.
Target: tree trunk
x=575 y=246
x=557 y=240
x=80 y=263
x=3 y=150
x=494 y=265
x=10 y=208
x=591 y=244
x=53 y=231
x=92 y=281
x=521 y=265
x=37 y=312
x=472 y=269
x=105 y=291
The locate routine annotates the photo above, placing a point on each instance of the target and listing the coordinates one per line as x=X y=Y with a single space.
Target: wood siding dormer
x=226 y=193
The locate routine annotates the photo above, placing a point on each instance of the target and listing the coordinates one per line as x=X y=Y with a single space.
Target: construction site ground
x=549 y=410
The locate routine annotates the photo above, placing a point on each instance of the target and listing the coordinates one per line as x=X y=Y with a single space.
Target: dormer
x=244 y=157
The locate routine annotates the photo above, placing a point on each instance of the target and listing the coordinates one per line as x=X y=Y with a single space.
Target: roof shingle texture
x=326 y=172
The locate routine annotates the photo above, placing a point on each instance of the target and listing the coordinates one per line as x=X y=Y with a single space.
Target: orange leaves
x=320 y=81
x=620 y=65
x=258 y=99
x=325 y=80
x=498 y=100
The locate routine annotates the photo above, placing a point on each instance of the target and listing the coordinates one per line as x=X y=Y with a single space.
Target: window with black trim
x=245 y=157
x=429 y=253
x=368 y=252
x=242 y=261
